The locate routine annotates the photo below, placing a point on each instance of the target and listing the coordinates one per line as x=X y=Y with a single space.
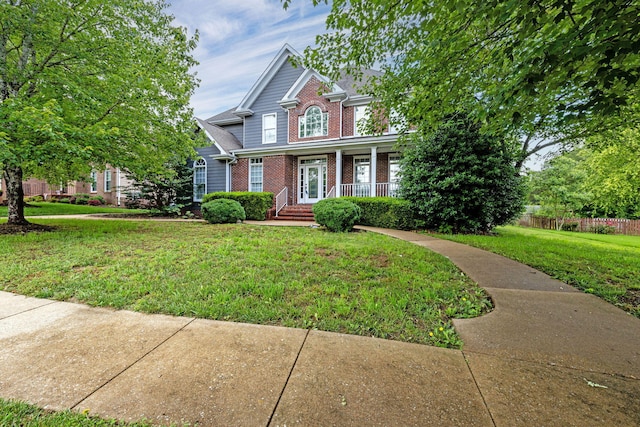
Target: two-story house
x=297 y=135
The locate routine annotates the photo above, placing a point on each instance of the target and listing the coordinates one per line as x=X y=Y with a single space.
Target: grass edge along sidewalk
x=356 y=283
x=604 y=265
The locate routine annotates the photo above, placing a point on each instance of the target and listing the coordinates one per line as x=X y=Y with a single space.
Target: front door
x=312 y=176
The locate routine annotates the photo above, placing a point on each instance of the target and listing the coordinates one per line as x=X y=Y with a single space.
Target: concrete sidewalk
x=543 y=357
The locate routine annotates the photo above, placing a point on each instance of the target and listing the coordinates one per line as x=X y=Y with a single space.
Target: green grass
x=605 y=265
x=357 y=283
x=20 y=414
x=45 y=208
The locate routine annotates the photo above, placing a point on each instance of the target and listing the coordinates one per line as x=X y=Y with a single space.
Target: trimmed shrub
x=34 y=199
x=223 y=211
x=338 y=215
x=64 y=200
x=93 y=202
x=81 y=198
x=386 y=212
x=256 y=205
x=98 y=198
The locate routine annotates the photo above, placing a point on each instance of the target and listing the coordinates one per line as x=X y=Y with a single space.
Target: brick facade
x=308 y=97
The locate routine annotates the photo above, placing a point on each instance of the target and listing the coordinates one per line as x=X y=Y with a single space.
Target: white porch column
x=338 y=172
x=374 y=164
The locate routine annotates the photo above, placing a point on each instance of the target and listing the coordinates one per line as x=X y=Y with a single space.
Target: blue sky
x=238 y=39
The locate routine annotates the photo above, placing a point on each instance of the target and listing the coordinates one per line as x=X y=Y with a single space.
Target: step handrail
x=282 y=199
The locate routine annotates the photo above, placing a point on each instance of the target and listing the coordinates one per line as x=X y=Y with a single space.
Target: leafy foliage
x=223 y=211
x=338 y=215
x=559 y=187
x=461 y=181
x=614 y=173
x=546 y=71
x=166 y=192
x=385 y=212
x=83 y=84
x=255 y=204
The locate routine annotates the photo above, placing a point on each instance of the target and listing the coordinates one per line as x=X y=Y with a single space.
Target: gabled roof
x=288 y=100
x=224 y=141
x=244 y=109
x=352 y=85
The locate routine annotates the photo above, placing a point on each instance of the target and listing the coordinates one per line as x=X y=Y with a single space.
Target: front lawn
x=604 y=265
x=357 y=283
x=47 y=208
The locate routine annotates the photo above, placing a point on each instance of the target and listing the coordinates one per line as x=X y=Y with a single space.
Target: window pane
x=269 y=128
x=255 y=175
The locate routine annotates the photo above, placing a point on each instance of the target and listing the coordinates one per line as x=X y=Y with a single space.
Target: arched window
x=199 y=180
x=313 y=123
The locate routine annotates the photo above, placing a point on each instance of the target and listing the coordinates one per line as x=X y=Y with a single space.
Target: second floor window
x=269 y=133
x=361 y=114
x=313 y=123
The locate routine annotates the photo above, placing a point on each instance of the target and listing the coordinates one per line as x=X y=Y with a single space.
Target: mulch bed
x=25 y=228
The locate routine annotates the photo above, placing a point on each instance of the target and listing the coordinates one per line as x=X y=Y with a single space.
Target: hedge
x=385 y=212
x=256 y=205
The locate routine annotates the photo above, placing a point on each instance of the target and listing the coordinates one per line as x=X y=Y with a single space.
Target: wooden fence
x=619 y=226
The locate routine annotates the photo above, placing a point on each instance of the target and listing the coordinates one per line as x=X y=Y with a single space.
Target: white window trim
x=365 y=117
x=396 y=161
x=355 y=175
x=324 y=122
x=199 y=164
x=107 y=182
x=252 y=162
x=93 y=187
x=275 y=128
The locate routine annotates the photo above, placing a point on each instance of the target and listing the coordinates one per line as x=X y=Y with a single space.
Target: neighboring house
x=110 y=183
x=296 y=135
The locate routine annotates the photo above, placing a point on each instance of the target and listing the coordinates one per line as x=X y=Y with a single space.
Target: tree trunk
x=15 y=195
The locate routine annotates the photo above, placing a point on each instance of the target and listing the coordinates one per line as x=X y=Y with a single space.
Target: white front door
x=312 y=176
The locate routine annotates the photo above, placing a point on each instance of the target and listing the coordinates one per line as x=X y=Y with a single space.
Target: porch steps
x=296 y=213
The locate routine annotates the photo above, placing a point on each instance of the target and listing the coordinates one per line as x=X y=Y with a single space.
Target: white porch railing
x=383 y=189
x=281 y=199
x=332 y=193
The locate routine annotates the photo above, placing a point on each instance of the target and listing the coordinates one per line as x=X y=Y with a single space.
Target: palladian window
x=313 y=123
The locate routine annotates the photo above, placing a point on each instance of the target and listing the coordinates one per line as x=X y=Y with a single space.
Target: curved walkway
x=546 y=355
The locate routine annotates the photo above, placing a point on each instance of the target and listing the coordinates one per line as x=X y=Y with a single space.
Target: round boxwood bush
x=222 y=211
x=336 y=214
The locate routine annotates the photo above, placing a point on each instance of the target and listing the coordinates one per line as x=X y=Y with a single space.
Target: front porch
x=339 y=174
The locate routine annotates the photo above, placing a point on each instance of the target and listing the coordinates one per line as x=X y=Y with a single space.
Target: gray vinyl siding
x=266 y=103
x=235 y=130
x=216 y=169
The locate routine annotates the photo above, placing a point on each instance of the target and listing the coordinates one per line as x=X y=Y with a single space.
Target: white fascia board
x=283 y=55
x=287 y=104
x=302 y=81
x=319 y=147
x=231 y=121
x=358 y=100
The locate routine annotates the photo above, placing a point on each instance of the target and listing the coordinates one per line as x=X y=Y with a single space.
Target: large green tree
x=84 y=83
x=614 y=173
x=546 y=71
x=559 y=188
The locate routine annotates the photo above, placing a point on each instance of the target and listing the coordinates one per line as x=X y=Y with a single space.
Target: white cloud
x=238 y=40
